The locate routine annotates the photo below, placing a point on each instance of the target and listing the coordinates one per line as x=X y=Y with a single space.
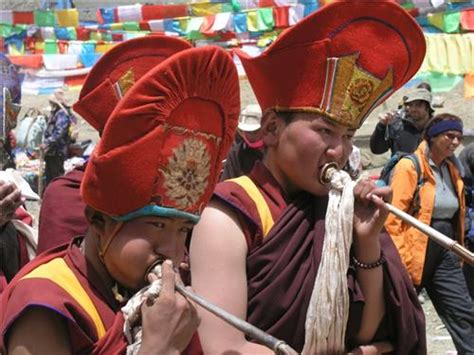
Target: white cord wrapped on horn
x=328 y=310
x=132 y=310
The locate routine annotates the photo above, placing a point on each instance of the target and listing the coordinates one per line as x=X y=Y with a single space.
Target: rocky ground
x=439 y=341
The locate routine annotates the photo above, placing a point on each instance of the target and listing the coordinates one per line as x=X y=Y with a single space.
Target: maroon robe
x=282 y=268
x=62 y=211
x=13 y=250
x=23 y=293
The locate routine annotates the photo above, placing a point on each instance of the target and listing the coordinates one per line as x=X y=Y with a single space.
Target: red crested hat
x=162 y=148
x=117 y=70
x=341 y=61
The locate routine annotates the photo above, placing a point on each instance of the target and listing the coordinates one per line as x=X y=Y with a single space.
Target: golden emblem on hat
x=350 y=92
x=186 y=176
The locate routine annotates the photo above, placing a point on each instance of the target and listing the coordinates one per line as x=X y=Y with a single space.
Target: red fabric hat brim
x=99 y=95
x=182 y=113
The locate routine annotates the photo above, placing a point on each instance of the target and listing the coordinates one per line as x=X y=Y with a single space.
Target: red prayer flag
x=145 y=26
x=158 y=12
x=83 y=34
x=206 y=27
x=467 y=19
x=34 y=61
x=23 y=17
x=281 y=16
x=62 y=47
x=266 y=3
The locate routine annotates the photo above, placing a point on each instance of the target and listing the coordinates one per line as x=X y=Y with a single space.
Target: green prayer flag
x=72 y=33
x=45 y=18
x=451 y=22
x=440 y=82
x=50 y=47
x=131 y=26
x=265 y=21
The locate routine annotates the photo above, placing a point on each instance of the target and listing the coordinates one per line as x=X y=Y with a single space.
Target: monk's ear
x=272 y=126
x=97 y=220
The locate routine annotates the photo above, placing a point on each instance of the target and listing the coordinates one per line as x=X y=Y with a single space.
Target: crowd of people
x=230 y=202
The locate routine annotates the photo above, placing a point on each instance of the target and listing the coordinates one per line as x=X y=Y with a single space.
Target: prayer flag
x=265 y=19
x=129 y=13
x=281 y=16
x=50 y=47
x=6 y=16
x=469 y=85
x=205 y=9
x=240 y=22
x=252 y=21
x=45 y=18
x=23 y=17
x=131 y=26
x=106 y=15
x=467 y=19
x=194 y=24
x=222 y=22
x=451 y=22
x=157 y=25
x=67 y=18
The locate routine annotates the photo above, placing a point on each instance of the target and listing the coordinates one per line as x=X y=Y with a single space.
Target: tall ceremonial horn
x=276 y=345
x=325 y=178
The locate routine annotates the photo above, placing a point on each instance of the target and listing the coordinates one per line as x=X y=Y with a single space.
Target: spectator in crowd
x=441 y=204
x=402 y=130
x=56 y=137
x=248 y=144
x=10 y=98
x=467 y=160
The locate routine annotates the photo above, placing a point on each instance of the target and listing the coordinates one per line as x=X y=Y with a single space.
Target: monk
x=144 y=187
x=258 y=249
x=105 y=85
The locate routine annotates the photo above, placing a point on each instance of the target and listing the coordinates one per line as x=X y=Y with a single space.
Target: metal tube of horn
x=278 y=346
x=439 y=238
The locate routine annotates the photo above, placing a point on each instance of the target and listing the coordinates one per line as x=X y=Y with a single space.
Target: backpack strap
x=58 y=272
x=415 y=204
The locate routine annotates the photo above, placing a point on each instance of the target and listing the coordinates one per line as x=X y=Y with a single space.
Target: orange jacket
x=411 y=242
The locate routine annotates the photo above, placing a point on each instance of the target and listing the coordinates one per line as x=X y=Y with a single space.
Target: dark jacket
x=401 y=135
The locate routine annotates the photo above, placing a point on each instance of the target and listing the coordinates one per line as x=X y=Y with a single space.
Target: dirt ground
x=439 y=341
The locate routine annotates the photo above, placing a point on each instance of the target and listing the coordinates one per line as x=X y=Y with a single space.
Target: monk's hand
x=370 y=211
x=171 y=320
x=10 y=200
x=373 y=349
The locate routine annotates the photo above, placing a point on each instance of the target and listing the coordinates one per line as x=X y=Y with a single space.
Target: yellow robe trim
x=58 y=272
x=266 y=219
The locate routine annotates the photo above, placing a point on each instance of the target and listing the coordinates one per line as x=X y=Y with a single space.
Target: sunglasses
x=453 y=136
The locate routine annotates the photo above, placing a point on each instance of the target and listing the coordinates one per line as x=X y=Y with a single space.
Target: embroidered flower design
x=360 y=90
x=186 y=175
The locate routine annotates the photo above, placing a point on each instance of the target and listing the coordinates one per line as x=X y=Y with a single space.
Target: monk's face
x=297 y=150
x=140 y=243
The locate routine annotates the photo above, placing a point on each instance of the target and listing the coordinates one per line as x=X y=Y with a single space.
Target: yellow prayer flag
x=205 y=9
x=67 y=18
x=437 y=20
x=116 y=26
x=252 y=21
x=103 y=47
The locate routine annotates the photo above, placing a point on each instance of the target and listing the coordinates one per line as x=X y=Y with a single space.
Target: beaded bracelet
x=373 y=265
